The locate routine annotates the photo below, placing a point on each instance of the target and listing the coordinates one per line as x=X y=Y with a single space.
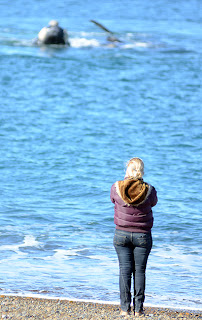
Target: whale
x=53 y=34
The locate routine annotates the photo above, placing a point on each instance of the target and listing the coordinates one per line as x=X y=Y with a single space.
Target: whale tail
x=111 y=38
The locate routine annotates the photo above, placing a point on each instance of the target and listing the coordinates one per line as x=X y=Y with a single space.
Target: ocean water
x=71 y=118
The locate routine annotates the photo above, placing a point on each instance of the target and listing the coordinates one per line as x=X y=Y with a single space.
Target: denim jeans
x=133 y=250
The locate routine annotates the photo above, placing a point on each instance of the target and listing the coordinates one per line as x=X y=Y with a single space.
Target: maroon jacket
x=134 y=218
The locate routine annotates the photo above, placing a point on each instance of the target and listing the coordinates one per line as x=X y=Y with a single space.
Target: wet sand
x=21 y=308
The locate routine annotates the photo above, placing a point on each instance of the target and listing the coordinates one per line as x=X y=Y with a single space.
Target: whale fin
x=101 y=26
x=113 y=38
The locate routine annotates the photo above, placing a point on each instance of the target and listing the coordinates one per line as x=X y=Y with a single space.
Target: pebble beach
x=21 y=308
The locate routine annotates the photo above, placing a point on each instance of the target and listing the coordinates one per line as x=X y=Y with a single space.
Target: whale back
x=52 y=35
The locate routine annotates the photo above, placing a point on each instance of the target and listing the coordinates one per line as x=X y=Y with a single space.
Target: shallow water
x=70 y=119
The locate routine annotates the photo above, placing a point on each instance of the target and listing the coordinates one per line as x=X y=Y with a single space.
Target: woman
x=133 y=199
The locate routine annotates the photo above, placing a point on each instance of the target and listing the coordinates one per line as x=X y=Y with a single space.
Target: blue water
x=71 y=118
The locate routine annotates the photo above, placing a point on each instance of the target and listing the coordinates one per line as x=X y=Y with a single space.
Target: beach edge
x=38 y=307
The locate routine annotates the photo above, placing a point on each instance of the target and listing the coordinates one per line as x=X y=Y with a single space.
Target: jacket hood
x=133 y=191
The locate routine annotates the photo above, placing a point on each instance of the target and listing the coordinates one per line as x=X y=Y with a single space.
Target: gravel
x=21 y=308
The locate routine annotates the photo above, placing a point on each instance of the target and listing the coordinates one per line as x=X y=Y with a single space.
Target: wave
x=79 y=43
x=29 y=241
x=83 y=40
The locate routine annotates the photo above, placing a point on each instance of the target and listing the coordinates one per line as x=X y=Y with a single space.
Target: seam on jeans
x=124 y=288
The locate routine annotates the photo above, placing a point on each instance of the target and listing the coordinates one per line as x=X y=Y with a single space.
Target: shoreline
x=47 y=297
x=40 y=308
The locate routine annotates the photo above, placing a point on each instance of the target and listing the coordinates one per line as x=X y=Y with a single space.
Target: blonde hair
x=135 y=168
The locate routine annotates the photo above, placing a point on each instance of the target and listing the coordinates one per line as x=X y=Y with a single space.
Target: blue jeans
x=133 y=250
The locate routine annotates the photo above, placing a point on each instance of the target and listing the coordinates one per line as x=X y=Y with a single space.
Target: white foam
x=83 y=42
x=136 y=45
x=176 y=256
x=62 y=254
x=29 y=241
x=10 y=247
x=79 y=42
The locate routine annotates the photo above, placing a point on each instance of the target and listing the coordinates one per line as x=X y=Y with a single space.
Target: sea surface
x=71 y=118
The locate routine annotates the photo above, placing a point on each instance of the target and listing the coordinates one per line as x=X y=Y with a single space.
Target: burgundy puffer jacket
x=134 y=218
